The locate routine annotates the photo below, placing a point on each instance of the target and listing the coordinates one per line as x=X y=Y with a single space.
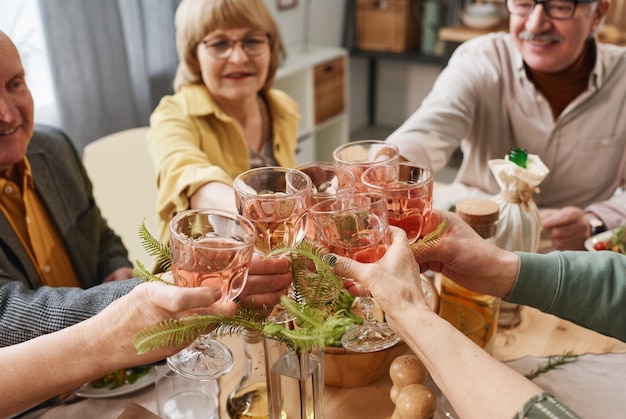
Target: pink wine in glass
x=214 y=262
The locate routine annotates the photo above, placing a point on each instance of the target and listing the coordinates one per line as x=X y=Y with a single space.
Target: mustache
x=541 y=37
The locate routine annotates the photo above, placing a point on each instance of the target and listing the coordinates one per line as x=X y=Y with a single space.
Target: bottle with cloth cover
x=519 y=229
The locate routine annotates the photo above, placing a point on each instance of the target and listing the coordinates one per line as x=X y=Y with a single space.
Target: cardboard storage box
x=387 y=25
x=329 y=89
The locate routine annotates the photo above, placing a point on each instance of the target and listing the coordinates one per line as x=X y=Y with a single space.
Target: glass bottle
x=474 y=314
x=296 y=381
x=249 y=399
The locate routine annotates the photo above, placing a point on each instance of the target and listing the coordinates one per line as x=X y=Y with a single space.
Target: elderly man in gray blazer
x=60 y=263
x=95 y=251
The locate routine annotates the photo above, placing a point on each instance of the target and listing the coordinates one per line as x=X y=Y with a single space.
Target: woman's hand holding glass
x=355 y=226
x=387 y=279
x=269 y=279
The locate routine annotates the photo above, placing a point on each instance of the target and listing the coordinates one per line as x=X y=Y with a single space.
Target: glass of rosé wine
x=328 y=180
x=409 y=192
x=363 y=154
x=275 y=200
x=212 y=248
x=356 y=226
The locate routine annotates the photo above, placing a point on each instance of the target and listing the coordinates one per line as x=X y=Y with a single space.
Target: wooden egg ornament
x=406 y=372
x=416 y=401
x=407 y=369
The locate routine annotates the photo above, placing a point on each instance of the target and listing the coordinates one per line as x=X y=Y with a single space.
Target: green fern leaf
x=173 y=332
x=429 y=240
x=160 y=251
x=321 y=308
x=141 y=273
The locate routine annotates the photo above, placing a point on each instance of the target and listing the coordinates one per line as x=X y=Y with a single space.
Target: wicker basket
x=329 y=89
x=387 y=25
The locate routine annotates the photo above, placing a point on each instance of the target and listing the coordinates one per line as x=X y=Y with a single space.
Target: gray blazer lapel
x=14 y=261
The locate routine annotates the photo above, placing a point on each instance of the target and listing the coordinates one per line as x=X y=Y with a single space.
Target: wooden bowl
x=345 y=368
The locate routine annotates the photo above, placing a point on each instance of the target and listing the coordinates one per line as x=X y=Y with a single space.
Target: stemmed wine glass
x=213 y=248
x=358 y=156
x=328 y=180
x=356 y=226
x=409 y=192
x=275 y=200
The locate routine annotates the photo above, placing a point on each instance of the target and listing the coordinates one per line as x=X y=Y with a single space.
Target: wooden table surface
x=538 y=334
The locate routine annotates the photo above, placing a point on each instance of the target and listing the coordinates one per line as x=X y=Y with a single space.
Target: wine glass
x=409 y=192
x=329 y=180
x=356 y=226
x=213 y=248
x=361 y=155
x=275 y=200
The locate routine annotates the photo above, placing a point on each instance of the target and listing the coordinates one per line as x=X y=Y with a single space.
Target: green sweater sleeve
x=545 y=406
x=586 y=288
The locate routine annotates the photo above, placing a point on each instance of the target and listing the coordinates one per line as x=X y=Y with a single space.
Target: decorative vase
x=249 y=398
x=295 y=381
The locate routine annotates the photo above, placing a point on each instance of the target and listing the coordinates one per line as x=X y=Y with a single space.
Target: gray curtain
x=111 y=62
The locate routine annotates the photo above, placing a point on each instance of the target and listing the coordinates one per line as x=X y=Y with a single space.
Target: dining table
x=592 y=384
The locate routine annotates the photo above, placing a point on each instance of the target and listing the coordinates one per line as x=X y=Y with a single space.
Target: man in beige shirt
x=547 y=86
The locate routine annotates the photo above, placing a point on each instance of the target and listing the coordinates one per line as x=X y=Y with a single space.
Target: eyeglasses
x=222 y=48
x=555 y=9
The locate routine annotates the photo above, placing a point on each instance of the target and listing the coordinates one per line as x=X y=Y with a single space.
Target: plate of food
x=614 y=240
x=119 y=382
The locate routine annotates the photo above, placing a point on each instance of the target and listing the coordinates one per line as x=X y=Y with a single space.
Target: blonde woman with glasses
x=224 y=117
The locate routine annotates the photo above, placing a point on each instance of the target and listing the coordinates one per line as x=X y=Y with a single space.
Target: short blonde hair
x=196 y=18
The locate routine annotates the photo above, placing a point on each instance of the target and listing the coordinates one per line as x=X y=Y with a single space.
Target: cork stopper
x=480 y=213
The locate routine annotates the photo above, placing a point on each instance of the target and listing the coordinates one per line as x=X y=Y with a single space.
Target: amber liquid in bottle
x=249 y=403
x=474 y=314
x=249 y=399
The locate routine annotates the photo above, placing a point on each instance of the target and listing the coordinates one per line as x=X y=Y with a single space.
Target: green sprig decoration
x=552 y=363
x=321 y=308
x=429 y=240
x=159 y=251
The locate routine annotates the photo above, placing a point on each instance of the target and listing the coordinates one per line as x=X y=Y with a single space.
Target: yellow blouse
x=193 y=142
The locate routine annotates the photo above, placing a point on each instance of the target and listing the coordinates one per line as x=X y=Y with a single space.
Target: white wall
x=20 y=21
x=325 y=21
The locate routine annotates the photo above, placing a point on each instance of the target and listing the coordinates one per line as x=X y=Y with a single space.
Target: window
x=21 y=21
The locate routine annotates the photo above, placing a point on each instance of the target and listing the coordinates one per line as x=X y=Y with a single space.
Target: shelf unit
x=413 y=55
x=322 y=72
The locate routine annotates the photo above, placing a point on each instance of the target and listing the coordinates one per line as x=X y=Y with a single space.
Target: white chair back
x=124 y=186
